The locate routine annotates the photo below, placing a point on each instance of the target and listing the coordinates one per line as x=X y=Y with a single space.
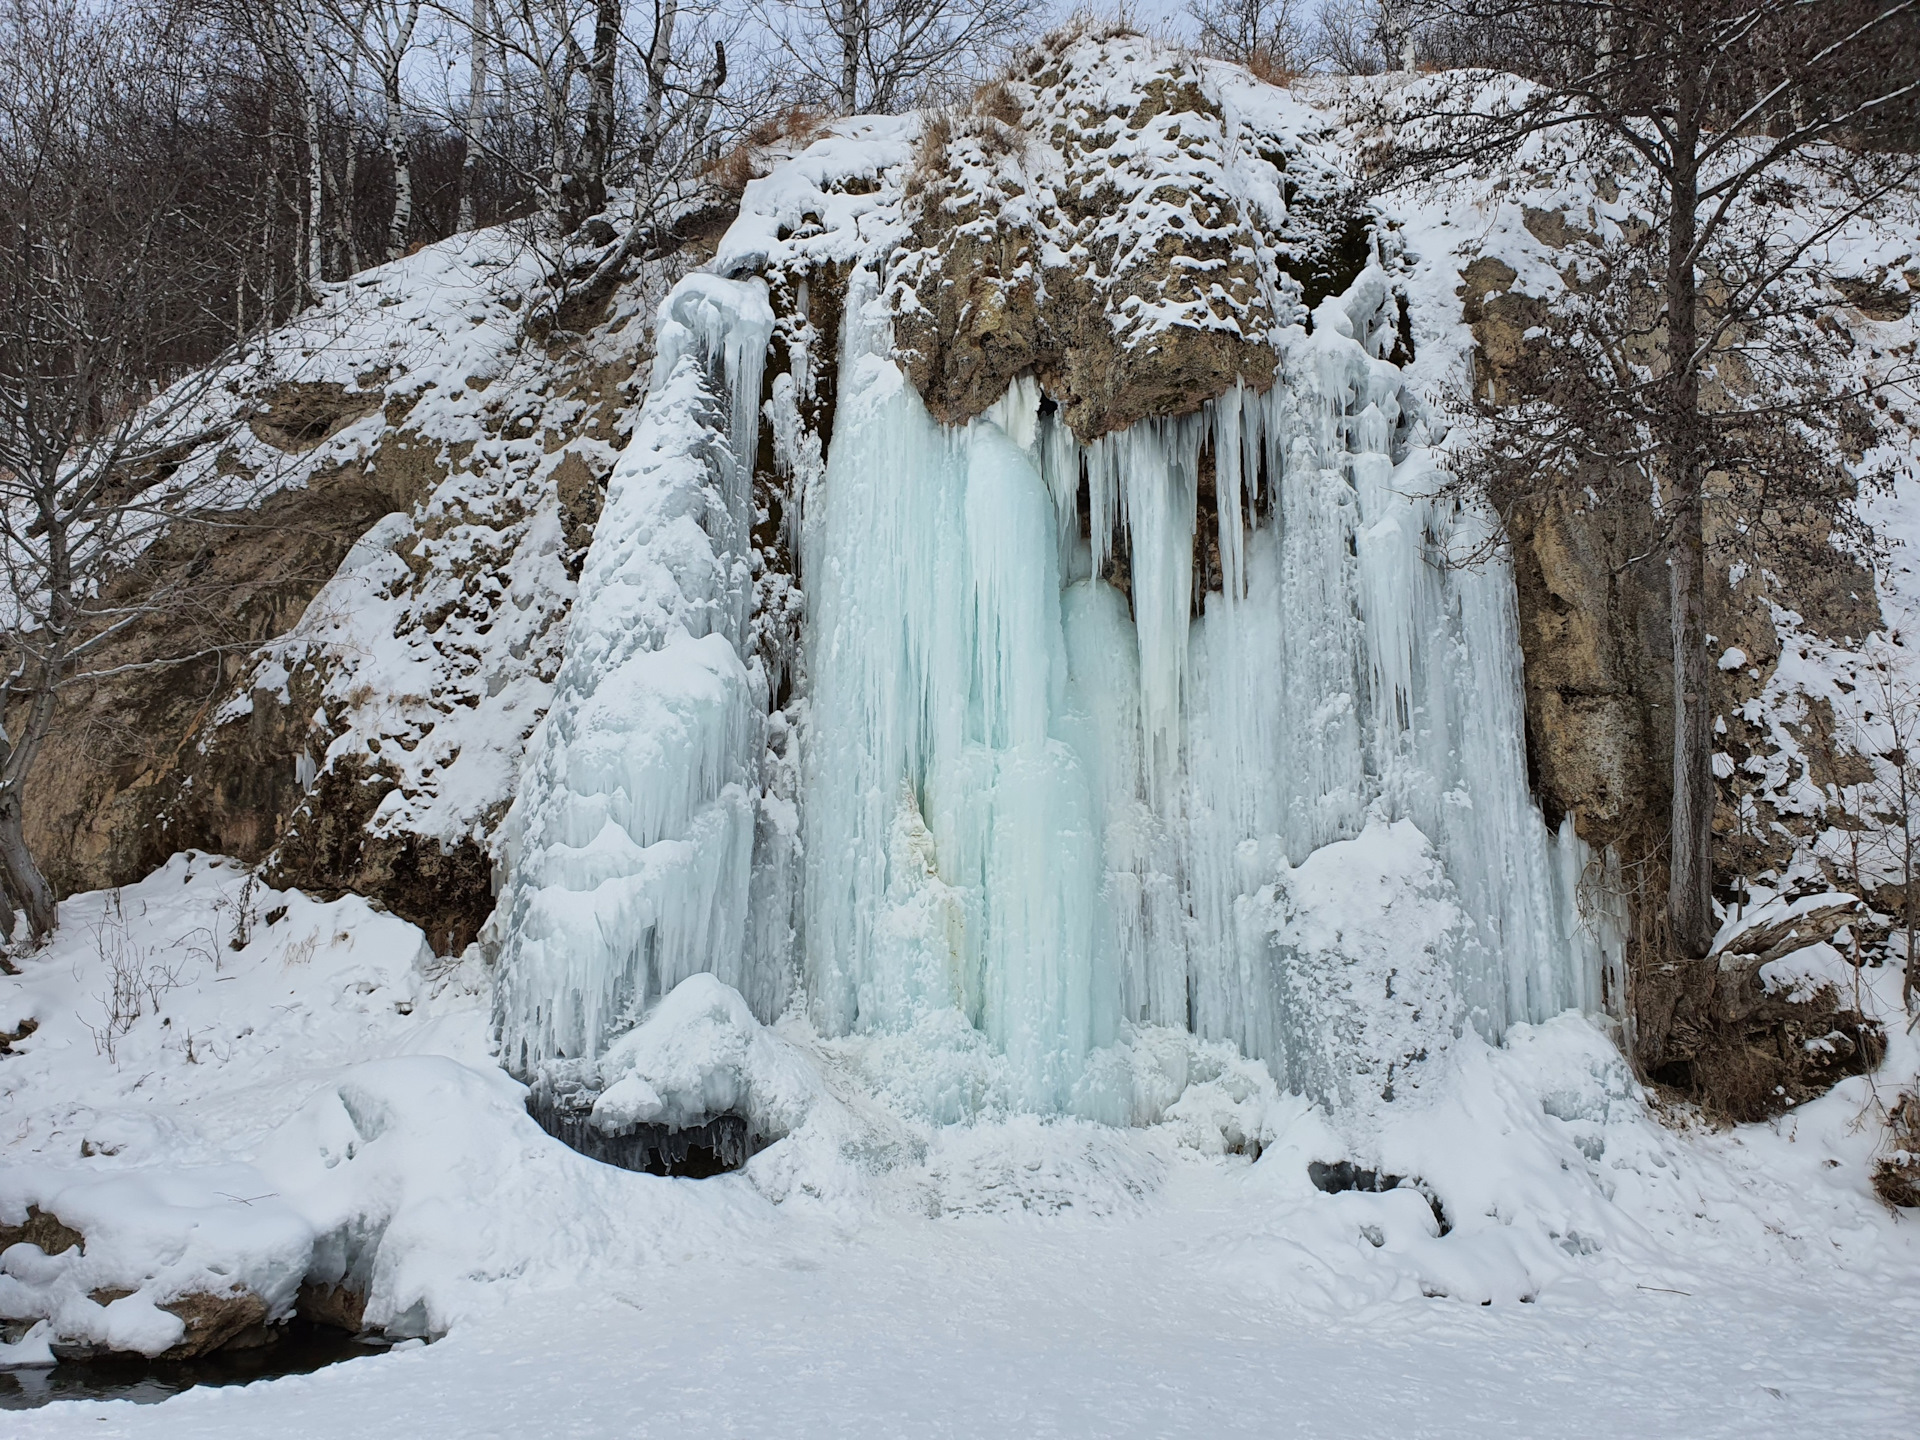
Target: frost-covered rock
x=167 y=1263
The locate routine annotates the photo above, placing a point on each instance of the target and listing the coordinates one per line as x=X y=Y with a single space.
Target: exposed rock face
x=329 y=846
x=1594 y=619
x=340 y=1306
x=384 y=622
x=49 y=1232
x=235 y=1320
x=122 y=783
x=1097 y=244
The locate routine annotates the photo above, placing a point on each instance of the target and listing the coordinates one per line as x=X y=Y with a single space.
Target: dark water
x=300 y=1351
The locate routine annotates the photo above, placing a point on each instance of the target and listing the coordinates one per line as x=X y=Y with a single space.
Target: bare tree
x=881 y=55
x=1364 y=37
x=1727 y=105
x=114 y=276
x=597 y=127
x=1270 y=35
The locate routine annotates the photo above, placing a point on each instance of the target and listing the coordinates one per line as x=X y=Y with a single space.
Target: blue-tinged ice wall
x=1035 y=810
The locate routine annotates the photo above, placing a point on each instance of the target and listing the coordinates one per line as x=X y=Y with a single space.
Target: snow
x=869 y=1269
x=158 y=1234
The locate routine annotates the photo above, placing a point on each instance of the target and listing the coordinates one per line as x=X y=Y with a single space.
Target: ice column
x=628 y=849
x=951 y=857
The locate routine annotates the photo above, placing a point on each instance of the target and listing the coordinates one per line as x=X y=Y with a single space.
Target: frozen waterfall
x=1050 y=791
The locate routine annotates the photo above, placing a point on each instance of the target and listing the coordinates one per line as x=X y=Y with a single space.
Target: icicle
x=1032 y=807
x=1228 y=441
x=939 y=671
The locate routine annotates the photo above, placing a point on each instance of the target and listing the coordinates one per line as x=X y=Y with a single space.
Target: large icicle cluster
x=1062 y=809
x=1043 y=789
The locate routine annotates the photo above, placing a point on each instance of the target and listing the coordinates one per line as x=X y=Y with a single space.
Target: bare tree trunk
x=1690 y=877
x=23 y=878
x=852 y=33
x=316 y=166
x=395 y=45
x=478 y=31
x=597 y=144
x=1909 y=981
x=659 y=54
x=399 y=154
x=343 y=192
x=343 y=188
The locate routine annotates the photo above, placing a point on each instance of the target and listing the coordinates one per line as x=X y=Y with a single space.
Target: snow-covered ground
x=1603 y=1274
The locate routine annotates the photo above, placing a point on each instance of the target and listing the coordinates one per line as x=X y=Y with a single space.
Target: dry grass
x=996 y=101
x=1896 y=1175
x=993 y=118
x=795 y=126
x=1271 y=69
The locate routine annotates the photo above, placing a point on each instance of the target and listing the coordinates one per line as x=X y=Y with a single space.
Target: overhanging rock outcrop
x=1105 y=221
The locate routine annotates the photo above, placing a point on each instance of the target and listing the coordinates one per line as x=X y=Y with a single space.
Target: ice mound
x=1360 y=933
x=1035 y=1166
x=698 y=1054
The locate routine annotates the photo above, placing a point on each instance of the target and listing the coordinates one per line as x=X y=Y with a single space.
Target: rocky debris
x=8 y=1039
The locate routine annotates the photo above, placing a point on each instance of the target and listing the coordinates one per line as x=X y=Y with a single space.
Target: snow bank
x=701 y=1053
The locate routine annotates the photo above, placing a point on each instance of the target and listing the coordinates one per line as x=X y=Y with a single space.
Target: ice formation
x=631 y=847
x=1037 y=810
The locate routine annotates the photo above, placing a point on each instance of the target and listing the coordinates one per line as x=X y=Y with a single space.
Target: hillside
x=970 y=702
